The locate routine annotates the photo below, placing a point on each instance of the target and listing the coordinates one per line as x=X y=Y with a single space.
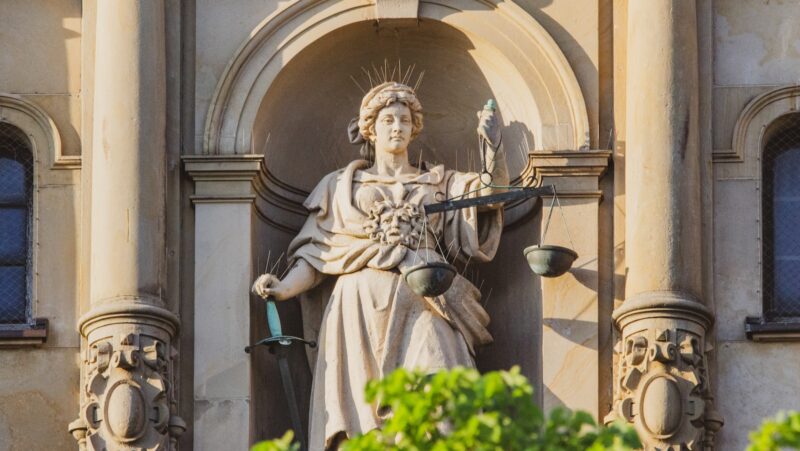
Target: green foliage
x=460 y=410
x=781 y=432
x=463 y=410
x=282 y=444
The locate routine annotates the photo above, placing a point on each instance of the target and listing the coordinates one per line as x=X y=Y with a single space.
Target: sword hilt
x=276 y=330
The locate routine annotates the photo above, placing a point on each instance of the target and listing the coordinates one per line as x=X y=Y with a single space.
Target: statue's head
x=388 y=106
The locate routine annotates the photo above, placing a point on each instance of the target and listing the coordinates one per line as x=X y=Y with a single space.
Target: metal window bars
x=16 y=206
x=781 y=220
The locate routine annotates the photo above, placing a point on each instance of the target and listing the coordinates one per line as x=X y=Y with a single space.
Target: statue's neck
x=392 y=163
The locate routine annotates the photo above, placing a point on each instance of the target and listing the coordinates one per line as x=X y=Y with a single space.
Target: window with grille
x=16 y=202
x=781 y=220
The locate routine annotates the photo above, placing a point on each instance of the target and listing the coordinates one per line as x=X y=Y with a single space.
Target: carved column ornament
x=661 y=385
x=128 y=391
x=127 y=387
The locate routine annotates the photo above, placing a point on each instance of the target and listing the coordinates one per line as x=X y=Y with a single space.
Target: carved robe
x=364 y=228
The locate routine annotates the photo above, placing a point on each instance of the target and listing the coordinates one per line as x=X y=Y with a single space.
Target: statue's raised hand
x=270 y=285
x=488 y=126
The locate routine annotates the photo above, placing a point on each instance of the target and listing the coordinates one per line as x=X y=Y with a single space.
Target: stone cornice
x=576 y=174
x=223 y=178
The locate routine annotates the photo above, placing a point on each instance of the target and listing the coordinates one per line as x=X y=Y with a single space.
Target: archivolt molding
x=753 y=122
x=563 y=121
x=40 y=128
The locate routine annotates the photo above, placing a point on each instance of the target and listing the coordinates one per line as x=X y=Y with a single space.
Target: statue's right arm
x=301 y=278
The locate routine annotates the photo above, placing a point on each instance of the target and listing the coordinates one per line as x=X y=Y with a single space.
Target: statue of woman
x=364 y=227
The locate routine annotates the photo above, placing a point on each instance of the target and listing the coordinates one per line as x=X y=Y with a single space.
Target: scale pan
x=429 y=279
x=549 y=261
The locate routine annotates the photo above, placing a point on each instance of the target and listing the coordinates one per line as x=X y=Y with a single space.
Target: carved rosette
x=662 y=385
x=128 y=396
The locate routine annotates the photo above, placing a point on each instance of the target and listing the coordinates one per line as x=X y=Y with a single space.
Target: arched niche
x=288 y=94
x=508 y=43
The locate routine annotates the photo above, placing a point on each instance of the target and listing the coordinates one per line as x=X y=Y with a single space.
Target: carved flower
x=392 y=222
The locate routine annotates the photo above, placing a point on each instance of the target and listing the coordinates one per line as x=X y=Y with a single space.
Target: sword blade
x=291 y=400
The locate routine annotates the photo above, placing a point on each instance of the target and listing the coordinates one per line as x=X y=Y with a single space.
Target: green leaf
x=461 y=409
x=282 y=444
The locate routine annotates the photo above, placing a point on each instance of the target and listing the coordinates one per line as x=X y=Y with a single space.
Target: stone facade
x=175 y=141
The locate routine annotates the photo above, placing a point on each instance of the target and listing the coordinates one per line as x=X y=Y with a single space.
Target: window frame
x=45 y=148
x=768 y=223
x=744 y=161
x=29 y=207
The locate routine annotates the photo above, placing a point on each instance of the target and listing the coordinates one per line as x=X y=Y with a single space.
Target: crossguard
x=283 y=340
x=276 y=331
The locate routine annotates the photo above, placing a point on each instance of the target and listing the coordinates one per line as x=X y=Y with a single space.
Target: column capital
x=223 y=178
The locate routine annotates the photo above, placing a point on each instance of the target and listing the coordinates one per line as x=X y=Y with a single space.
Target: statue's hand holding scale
x=367 y=224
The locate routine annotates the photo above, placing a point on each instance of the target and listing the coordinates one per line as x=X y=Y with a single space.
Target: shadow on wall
x=301 y=129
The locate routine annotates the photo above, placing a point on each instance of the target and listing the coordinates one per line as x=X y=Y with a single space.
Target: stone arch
x=752 y=123
x=37 y=125
x=557 y=114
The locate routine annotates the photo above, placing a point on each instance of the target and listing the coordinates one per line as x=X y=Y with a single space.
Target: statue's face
x=393 y=128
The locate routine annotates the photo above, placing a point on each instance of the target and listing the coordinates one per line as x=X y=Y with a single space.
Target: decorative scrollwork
x=128 y=395
x=662 y=388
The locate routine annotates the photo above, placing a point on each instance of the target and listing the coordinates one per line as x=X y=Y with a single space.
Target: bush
x=461 y=409
x=781 y=432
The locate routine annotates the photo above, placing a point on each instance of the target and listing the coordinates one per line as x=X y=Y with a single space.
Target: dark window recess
x=16 y=202
x=780 y=164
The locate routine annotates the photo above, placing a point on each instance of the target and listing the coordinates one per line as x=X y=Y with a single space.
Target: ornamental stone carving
x=395 y=222
x=128 y=392
x=662 y=384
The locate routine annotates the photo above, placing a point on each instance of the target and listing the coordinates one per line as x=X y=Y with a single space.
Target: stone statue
x=365 y=226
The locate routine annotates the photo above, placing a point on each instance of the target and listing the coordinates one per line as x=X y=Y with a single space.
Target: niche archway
x=288 y=94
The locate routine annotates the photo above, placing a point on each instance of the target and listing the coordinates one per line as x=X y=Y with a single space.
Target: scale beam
x=518 y=194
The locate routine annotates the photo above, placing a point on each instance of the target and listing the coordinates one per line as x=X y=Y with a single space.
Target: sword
x=279 y=345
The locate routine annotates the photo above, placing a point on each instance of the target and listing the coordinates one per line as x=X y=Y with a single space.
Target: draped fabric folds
x=364 y=229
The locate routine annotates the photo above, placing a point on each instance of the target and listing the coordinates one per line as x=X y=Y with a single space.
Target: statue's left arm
x=494 y=171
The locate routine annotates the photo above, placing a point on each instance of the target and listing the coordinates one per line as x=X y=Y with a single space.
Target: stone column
x=662 y=382
x=127 y=391
x=224 y=215
x=571 y=320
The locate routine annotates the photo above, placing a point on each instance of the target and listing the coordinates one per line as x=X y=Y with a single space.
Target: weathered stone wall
x=756 y=50
x=47 y=58
x=40 y=61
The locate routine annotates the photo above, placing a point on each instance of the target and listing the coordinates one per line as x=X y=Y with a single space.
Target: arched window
x=781 y=219
x=16 y=205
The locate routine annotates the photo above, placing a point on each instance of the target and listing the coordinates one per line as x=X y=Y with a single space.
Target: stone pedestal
x=661 y=384
x=223 y=203
x=570 y=304
x=127 y=393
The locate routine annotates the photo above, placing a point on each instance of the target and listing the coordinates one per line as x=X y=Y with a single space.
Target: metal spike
x=357 y=84
x=366 y=72
x=419 y=80
x=272 y=270
x=488 y=297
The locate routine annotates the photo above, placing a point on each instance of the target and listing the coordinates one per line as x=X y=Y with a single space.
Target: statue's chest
x=394 y=211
